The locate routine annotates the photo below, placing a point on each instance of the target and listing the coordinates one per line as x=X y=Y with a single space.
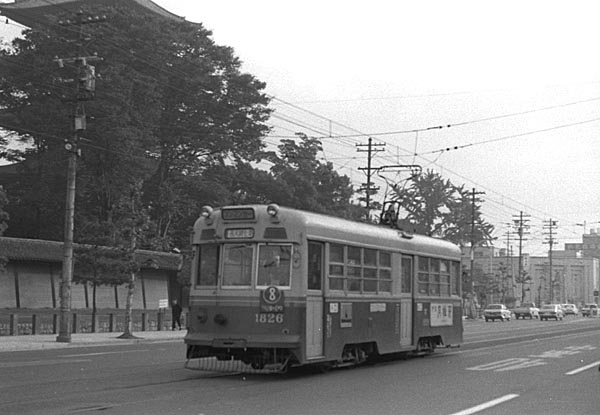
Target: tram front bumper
x=288 y=341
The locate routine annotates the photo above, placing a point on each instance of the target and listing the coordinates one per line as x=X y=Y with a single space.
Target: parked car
x=554 y=311
x=496 y=312
x=570 y=309
x=526 y=310
x=589 y=309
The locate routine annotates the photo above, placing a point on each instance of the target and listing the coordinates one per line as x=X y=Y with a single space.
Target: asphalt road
x=553 y=370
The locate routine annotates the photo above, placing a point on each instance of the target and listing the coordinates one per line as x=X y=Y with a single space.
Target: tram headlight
x=220 y=319
x=202 y=315
x=206 y=212
x=273 y=211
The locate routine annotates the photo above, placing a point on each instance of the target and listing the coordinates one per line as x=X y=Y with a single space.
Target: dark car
x=590 y=309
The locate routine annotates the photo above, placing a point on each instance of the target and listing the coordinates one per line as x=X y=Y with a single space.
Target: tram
x=273 y=288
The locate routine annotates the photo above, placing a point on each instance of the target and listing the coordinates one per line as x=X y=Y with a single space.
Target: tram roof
x=331 y=228
x=348 y=231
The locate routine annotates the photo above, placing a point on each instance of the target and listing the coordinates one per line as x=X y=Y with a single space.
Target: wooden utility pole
x=85 y=83
x=368 y=187
x=549 y=226
x=522 y=227
x=472 y=251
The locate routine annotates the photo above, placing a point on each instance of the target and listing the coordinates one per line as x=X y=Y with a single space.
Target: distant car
x=589 y=309
x=549 y=311
x=526 y=310
x=496 y=312
x=570 y=309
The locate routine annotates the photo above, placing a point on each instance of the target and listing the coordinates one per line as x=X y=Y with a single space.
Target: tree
x=307 y=183
x=433 y=206
x=169 y=105
x=98 y=265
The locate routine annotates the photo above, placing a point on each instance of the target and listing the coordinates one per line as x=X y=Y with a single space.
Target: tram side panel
x=439 y=318
x=351 y=322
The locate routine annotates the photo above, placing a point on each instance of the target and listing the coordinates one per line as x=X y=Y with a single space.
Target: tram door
x=406 y=301
x=314 y=301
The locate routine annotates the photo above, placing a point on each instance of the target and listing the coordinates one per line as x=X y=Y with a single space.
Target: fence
x=24 y=322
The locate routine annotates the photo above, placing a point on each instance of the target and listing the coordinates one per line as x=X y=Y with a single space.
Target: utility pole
x=472 y=251
x=549 y=226
x=368 y=187
x=522 y=228
x=509 y=260
x=85 y=84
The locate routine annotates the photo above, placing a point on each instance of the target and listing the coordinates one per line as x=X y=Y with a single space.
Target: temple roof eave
x=32 y=13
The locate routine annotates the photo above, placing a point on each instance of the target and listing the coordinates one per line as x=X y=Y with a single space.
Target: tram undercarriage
x=279 y=360
x=252 y=360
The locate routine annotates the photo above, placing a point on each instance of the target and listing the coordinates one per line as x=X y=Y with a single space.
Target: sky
x=500 y=96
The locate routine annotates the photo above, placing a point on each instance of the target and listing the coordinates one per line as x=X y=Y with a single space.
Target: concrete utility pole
x=85 y=84
x=368 y=187
x=522 y=227
x=550 y=225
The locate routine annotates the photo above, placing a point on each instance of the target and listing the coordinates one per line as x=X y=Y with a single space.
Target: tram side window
x=444 y=278
x=336 y=267
x=315 y=265
x=208 y=265
x=354 y=269
x=438 y=277
x=434 y=276
x=455 y=277
x=370 y=270
x=385 y=272
x=364 y=270
x=407 y=275
x=274 y=265
x=423 y=276
x=237 y=265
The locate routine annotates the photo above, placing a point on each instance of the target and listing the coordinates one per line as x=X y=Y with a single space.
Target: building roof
x=35 y=13
x=18 y=249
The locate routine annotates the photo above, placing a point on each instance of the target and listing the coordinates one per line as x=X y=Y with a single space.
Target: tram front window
x=237 y=265
x=207 y=270
x=274 y=265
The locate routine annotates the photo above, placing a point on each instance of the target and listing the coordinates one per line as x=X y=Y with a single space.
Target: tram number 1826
x=271 y=307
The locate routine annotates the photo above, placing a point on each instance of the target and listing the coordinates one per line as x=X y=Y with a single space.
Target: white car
x=570 y=309
x=553 y=311
x=496 y=312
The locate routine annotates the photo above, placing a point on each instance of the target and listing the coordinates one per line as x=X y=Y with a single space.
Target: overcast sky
x=515 y=86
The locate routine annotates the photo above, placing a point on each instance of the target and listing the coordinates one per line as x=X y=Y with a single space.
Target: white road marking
x=42 y=363
x=103 y=353
x=581 y=369
x=486 y=405
x=509 y=364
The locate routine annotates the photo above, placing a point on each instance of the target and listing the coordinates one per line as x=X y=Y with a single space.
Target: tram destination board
x=238 y=214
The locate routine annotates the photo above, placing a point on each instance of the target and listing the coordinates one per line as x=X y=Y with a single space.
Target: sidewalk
x=48 y=341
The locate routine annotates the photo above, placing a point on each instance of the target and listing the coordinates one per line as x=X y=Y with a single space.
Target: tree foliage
x=305 y=182
x=433 y=206
x=169 y=105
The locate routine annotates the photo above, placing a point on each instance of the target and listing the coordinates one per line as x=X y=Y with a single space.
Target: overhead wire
x=338 y=137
